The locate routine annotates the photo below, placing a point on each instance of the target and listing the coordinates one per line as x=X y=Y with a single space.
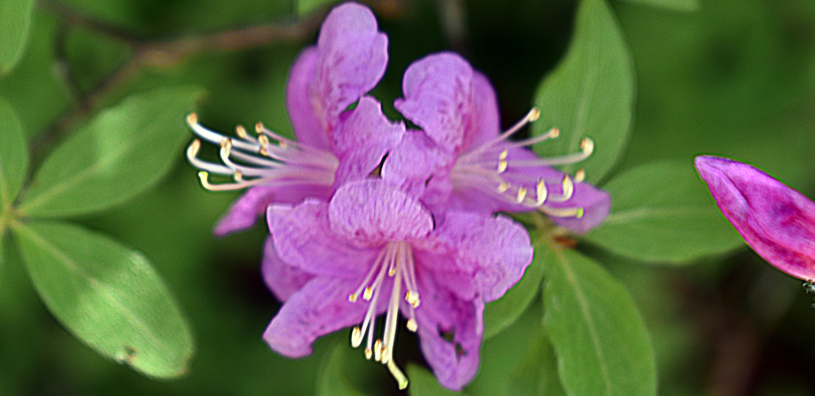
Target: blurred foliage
x=727 y=77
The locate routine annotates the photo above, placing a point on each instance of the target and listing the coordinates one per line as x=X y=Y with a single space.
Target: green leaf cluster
x=106 y=294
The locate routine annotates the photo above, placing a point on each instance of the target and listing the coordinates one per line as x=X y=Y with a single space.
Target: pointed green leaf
x=590 y=94
x=662 y=212
x=108 y=296
x=123 y=151
x=537 y=372
x=501 y=313
x=602 y=345
x=13 y=156
x=675 y=5
x=15 y=21
x=423 y=383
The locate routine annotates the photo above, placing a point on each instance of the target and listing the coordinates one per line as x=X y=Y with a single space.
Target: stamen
x=565 y=212
x=541 y=192
x=400 y=377
x=367 y=294
x=503 y=187
x=521 y=194
x=378 y=350
x=203 y=175
x=579 y=176
x=356 y=337
x=411 y=325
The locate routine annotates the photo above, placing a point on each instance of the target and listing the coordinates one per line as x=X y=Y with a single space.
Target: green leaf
x=501 y=313
x=423 y=383
x=602 y=344
x=13 y=157
x=108 y=296
x=123 y=151
x=15 y=21
x=675 y=5
x=536 y=374
x=662 y=212
x=590 y=94
x=333 y=380
x=307 y=6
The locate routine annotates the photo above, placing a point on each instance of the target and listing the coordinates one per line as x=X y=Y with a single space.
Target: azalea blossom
x=776 y=221
x=373 y=249
x=333 y=144
x=460 y=159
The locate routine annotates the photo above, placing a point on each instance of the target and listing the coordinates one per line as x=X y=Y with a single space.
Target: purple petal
x=777 y=221
x=282 y=279
x=245 y=210
x=413 y=161
x=319 y=308
x=488 y=122
x=442 y=314
x=304 y=239
x=439 y=98
x=353 y=57
x=362 y=140
x=371 y=212
x=307 y=125
x=494 y=250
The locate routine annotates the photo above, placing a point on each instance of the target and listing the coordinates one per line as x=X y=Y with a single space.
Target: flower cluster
x=368 y=217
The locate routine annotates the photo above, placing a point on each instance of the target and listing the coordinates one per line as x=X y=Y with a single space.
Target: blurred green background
x=733 y=78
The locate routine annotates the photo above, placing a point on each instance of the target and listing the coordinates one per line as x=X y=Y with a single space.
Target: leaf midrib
x=626 y=216
x=584 y=311
x=94 y=283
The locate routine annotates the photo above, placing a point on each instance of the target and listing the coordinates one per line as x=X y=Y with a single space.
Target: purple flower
x=333 y=145
x=461 y=159
x=777 y=221
x=373 y=249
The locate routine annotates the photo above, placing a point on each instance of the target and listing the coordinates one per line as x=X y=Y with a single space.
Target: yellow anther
x=203 y=175
x=192 y=151
x=263 y=152
x=587 y=145
x=352 y=297
x=368 y=353
x=541 y=193
x=384 y=355
x=241 y=132
x=413 y=299
x=238 y=176
x=264 y=141
x=579 y=176
x=502 y=166
x=391 y=271
x=378 y=350
x=579 y=213
x=192 y=119
x=259 y=127
x=226 y=144
x=411 y=325
x=503 y=187
x=503 y=155
x=368 y=293
x=534 y=114
x=521 y=194
x=568 y=187
x=356 y=336
x=554 y=132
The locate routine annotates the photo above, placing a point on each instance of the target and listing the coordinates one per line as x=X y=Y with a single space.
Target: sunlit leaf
x=123 y=151
x=15 y=21
x=423 y=383
x=501 y=313
x=662 y=212
x=13 y=156
x=537 y=372
x=590 y=94
x=602 y=344
x=108 y=296
x=676 y=5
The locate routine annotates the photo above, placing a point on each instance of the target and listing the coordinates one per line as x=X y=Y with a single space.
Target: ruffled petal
x=362 y=139
x=303 y=238
x=450 y=330
x=371 y=213
x=439 y=98
x=494 y=250
x=282 y=279
x=353 y=56
x=319 y=308
x=487 y=119
x=777 y=221
x=307 y=125
x=248 y=207
x=414 y=161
